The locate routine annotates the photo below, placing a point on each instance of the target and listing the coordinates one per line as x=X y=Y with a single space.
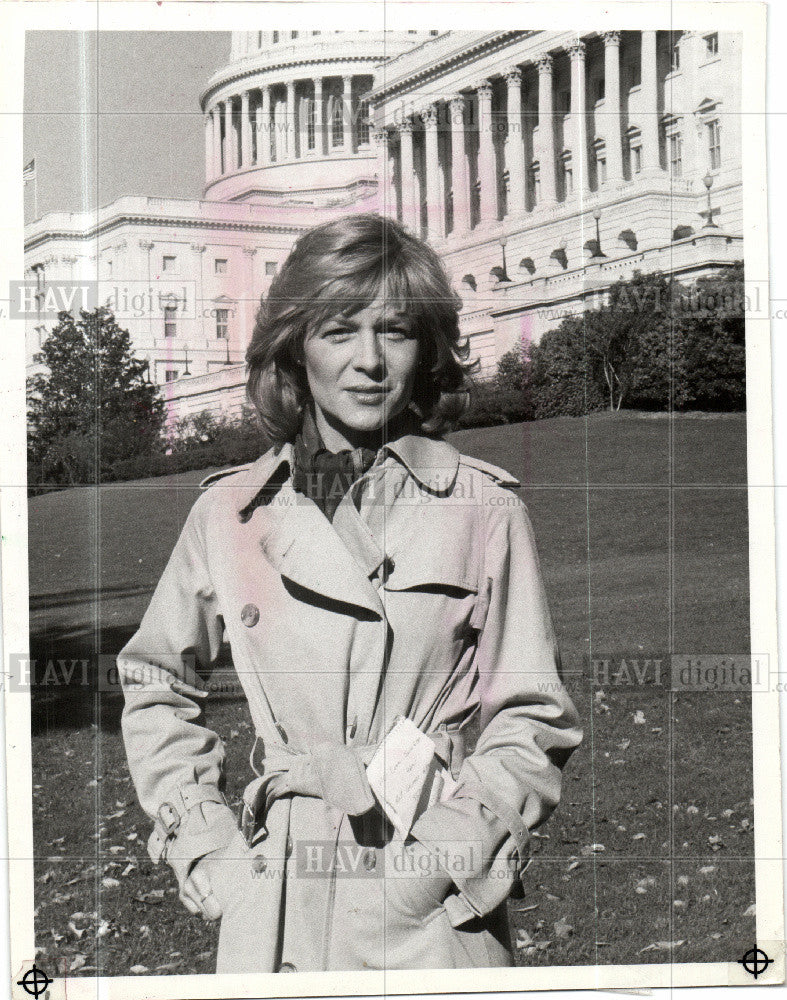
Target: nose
x=368 y=356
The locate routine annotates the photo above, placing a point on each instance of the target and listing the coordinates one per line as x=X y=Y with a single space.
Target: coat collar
x=300 y=542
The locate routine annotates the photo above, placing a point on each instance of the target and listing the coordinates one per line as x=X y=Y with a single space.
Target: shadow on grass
x=66 y=689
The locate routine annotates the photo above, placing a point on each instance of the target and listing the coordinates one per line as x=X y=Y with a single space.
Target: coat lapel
x=300 y=542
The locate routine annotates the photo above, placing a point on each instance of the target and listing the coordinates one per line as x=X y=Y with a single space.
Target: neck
x=339 y=438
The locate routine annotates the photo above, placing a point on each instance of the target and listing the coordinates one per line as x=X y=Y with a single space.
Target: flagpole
x=35 y=195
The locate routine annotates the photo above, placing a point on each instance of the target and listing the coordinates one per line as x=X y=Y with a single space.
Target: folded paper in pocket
x=406 y=776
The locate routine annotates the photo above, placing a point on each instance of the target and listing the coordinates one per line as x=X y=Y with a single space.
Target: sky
x=115 y=113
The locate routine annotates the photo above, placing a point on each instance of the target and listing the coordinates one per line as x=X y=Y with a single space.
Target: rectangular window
x=601 y=167
x=564 y=101
x=170 y=321
x=170 y=375
x=310 y=123
x=220 y=265
x=714 y=144
x=636 y=159
x=676 y=155
x=222 y=323
x=270 y=268
x=712 y=44
x=275 y=36
x=598 y=89
x=675 y=57
x=168 y=263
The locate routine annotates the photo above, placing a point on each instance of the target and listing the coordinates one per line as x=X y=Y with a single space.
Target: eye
x=337 y=334
x=396 y=333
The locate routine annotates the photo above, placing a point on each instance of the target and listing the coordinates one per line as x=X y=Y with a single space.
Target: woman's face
x=360 y=371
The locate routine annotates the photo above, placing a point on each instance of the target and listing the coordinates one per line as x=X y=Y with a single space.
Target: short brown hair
x=343 y=266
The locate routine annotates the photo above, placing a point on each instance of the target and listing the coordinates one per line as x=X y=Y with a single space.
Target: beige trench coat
x=425 y=603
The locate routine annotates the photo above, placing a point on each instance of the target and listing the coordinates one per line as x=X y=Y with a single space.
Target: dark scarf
x=325 y=476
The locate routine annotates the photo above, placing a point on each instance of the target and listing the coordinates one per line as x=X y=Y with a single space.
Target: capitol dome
x=286 y=121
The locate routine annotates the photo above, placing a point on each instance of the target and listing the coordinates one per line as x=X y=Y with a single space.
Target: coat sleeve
x=511 y=782
x=175 y=761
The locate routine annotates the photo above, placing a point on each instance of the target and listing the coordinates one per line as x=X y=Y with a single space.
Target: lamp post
x=498 y=272
x=707 y=180
x=186 y=369
x=598 y=253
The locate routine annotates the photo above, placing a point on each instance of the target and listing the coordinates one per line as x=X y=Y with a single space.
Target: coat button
x=250 y=615
x=370 y=859
x=288 y=847
x=287 y=967
x=259 y=864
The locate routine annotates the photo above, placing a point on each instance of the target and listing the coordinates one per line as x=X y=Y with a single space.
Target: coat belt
x=331 y=771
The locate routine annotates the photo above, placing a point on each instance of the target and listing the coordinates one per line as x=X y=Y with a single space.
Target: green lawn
x=653 y=841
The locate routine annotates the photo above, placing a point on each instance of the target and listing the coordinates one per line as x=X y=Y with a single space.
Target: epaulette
x=214 y=477
x=500 y=476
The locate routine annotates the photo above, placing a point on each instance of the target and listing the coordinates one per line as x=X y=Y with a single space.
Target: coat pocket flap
x=424 y=567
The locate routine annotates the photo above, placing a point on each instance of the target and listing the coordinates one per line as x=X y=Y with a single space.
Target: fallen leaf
x=707 y=869
x=750 y=911
x=76 y=931
x=128 y=870
x=76 y=963
x=639 y=718
x=110 y=883
x=563 y=929
x=138 y=970
x=661 y=946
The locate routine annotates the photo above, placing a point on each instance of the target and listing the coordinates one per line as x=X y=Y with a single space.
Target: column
x=650 y=100
x=289 y=117
x=411 y=210
x=245 y=129
x=199 y=249
x=613 y=138
x=319 y=135
x=348 y=114
x=546 y=130
x=264 y=139
x=579 y=150
x=486 y=154
x=434 y=203
x=208 y=122
x=249 y=300
x=515 y=143
x=386 y=196
x=217 y=162
x=229 y=145
x=459 y=184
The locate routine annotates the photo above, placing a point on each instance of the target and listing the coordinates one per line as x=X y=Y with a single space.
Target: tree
x=91 y=406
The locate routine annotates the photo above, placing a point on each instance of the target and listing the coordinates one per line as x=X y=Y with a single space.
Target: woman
x=382 y=597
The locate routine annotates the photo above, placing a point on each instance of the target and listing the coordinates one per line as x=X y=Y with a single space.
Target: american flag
x=29 y=172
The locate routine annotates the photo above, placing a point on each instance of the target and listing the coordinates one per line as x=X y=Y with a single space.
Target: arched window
x=275 y=36
x=337 y=121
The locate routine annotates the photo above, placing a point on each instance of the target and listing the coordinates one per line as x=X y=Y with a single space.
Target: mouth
x=367 y=394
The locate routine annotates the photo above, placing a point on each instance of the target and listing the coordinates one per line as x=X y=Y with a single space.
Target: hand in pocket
x=204 y=890
x=415 y=883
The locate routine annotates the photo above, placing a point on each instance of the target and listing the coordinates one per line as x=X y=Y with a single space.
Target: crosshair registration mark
x=35 y=982
x=755 y=961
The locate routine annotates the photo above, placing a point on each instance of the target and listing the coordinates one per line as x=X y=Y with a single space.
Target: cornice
x=141 y=220
x=236 y=74
x=457 y=58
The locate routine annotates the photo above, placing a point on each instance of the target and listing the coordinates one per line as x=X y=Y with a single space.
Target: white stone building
x=542 y=166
